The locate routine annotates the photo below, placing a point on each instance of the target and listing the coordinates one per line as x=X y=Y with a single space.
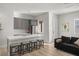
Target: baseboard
x=48 y=43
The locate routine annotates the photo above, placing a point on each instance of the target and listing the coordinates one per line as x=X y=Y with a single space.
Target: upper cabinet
x=20 y=23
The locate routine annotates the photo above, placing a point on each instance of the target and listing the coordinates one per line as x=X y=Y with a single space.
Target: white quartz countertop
x=20 y=38
x=24 y=37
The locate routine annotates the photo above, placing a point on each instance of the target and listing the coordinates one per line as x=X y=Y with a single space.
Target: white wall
x=25 y=16
x=6 y=19
x=55 y=23
x=45 y=18
x=53 y=26
x=67 y=18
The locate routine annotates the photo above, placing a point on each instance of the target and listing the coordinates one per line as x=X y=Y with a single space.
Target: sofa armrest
x=57 y=41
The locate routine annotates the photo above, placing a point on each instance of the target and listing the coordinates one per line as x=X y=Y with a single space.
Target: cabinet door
x=20 y=23
x=24 y=24
x=17 y=23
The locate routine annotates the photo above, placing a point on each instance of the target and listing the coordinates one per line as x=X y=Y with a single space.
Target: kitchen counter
x=15 y=39
x=24 y=36
x=21 y=38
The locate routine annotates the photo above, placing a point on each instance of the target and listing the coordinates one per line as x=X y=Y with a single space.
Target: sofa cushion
x=76 y=42
x=65 y=39
x=73 y=39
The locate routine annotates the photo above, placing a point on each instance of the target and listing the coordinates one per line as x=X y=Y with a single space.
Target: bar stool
x=14 y=49
x=24 y=47
x=34 y=44
x=38 y=44
x=42 y=43
x=28 y=47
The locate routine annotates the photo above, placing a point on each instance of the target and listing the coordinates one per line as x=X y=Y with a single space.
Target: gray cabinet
x=20 y=23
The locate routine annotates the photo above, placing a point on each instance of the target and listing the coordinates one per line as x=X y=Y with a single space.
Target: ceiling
x=34 y=14
x=32 y=8
x=57 y=8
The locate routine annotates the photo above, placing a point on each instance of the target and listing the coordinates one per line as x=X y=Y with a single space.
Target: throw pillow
x=77 y=42
x=73 y=39
x=65 y=39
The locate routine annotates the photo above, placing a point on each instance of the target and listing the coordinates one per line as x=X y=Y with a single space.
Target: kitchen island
x=21 y=38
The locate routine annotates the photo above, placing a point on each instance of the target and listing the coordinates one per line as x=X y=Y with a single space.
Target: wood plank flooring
x=48 y=50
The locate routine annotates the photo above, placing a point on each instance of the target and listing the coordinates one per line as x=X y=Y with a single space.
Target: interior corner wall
x=45 y=18
x=6 y=20
x=53 y=27
x=67 y=18
x=50 y=27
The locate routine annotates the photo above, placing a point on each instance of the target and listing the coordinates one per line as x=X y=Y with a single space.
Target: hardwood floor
x=48 y=50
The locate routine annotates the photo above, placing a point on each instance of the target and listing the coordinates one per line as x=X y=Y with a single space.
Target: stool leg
x=43 y=43
x=38 y=45
x=28 y=47
x=10 y=51
x=22 y=49
x=18 y=50
x=35 y=45
x=31 y=47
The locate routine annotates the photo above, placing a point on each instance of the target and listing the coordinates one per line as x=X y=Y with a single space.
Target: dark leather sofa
x=67 y=44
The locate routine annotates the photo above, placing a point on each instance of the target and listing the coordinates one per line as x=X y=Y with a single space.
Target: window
x=76 y=26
